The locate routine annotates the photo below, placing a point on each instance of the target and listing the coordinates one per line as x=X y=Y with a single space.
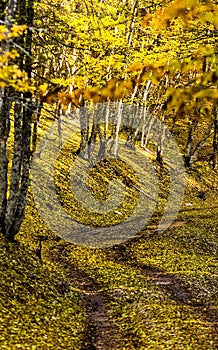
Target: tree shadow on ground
x=171 y=286
x=102 y=332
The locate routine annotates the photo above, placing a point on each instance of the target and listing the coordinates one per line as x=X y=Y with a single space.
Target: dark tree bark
x=4 y=131
x=17 y=106
x=5 y=107
x=189 y=145
x=215 y=139
x=160 y=144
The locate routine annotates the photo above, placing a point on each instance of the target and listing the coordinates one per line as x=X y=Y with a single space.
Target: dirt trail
x=101 y=332
x=182 y=293
x=171 y=286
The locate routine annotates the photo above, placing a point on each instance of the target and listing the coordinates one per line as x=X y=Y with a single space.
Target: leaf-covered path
x=101 y=332
x=156 y=291
x=171 y=286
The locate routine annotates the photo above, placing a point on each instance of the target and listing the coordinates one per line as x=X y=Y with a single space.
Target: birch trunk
x=145 y=97
x=160 y=143
x=119 y=119
x=189 y=145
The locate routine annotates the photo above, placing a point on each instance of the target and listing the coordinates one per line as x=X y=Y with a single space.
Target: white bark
x=119 y=119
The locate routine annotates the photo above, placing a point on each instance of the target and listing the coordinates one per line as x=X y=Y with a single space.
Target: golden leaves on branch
x=114 y=90
x=10 y=73
x=186 y=10
x=15 y=31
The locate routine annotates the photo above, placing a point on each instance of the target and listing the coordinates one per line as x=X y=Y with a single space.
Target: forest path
x=102 y=333
x=171 y=286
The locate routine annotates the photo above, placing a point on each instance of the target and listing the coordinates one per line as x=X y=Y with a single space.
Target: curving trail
x=172 y=286
x=101 y=332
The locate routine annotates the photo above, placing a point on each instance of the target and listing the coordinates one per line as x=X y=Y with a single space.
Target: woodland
x=76 y=74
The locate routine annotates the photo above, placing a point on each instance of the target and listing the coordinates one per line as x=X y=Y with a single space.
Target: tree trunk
x=14 y=182
x=4 y=131
x=145 y=116
x=215 y=140
x=160 y=144
x=132 y=24
x=189 y=145
x=119 y=119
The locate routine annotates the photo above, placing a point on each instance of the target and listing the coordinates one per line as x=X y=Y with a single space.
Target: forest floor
x=156 y=291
